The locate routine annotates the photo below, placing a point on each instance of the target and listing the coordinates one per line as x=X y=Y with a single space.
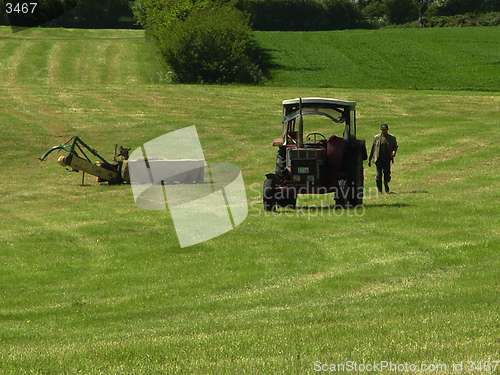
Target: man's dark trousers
x=383 y=167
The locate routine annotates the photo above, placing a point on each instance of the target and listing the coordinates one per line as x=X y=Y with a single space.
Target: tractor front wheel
x=280 y=170
x=289 y=200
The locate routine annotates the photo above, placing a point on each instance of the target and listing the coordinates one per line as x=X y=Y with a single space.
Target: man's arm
x=371 y=152
x=394 y=147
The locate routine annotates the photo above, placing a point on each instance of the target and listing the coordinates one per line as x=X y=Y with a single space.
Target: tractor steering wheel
x=311 y=135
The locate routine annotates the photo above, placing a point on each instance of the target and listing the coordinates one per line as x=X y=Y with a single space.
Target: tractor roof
x=336 y=110
x=318 y=102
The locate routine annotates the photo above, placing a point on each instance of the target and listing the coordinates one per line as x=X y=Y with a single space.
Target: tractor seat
x=334 y=151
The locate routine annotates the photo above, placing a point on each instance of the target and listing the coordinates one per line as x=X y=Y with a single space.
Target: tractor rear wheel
x=356 y=176
x=268 y=198
x=341 y=195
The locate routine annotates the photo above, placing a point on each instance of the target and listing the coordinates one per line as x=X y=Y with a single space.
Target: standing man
x=383 y=152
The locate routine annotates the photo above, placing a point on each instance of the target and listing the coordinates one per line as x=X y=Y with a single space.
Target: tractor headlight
x=310 y=178
x=296 y=178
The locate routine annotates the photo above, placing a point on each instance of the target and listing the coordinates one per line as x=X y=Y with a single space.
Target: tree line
x=316 y=15
x=279 y=15
x=211 y=41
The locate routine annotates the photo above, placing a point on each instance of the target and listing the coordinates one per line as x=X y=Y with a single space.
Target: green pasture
x=92 y=284
x=429 y=59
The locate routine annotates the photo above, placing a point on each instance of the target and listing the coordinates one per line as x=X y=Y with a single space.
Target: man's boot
x=386 y=185
x=379 y=186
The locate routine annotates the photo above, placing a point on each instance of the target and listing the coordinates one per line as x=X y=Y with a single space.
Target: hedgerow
x=465 y=20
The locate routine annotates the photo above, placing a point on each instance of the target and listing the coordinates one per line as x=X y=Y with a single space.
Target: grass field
x=430 y=59
x=92 y=284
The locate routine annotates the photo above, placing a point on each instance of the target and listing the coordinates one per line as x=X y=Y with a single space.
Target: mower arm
x=49 y=151
x=70 y=147
x=105 y=171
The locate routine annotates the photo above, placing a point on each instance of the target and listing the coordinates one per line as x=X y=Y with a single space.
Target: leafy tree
x=295 y=15
x=401 y=11
x=343 y=14
x=491 y=6
x=456 y=7
x=101 y=13
x=285 y=15
x=453 y=7
x=375 y=12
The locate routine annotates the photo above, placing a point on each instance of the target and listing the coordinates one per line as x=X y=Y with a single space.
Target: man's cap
x=384 y=126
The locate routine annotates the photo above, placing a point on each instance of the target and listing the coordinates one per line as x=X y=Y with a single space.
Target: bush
x=211 y=45
x=157 y=15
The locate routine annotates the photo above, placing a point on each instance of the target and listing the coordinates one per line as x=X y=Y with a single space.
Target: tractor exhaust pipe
x=300 y=135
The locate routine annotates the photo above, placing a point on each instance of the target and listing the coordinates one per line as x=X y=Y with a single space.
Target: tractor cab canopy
x=338 y=111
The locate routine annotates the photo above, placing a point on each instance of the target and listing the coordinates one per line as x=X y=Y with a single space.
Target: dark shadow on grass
x=315 y=209
x=267 y=63
x=327 y=207
x=396 y=205
x=265 y=60
x=413 y=192
x=337 y=209
x=299 y=69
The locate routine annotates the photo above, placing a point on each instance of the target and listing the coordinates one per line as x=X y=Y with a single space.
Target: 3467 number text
x=20 y=8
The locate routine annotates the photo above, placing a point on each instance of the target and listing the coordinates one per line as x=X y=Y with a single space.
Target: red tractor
x=315 y=164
